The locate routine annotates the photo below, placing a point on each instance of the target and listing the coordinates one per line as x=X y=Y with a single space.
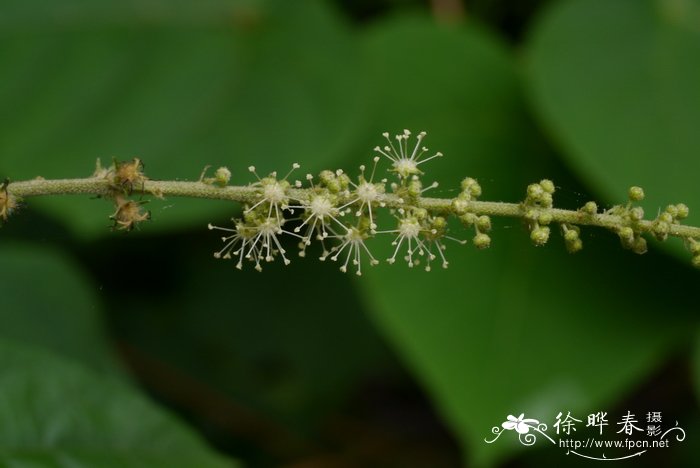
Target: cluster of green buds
x=572 y=237
x=471 y=191
x=673 y=214
x=537 y=210
x=631 y=216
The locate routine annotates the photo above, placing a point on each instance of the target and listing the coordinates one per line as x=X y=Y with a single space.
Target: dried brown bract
x=8 y=203
x=129 y=214
x=128 y=175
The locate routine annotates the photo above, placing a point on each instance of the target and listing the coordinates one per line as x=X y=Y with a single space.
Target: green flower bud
x=460 y=206
x=545 y=218
x=326 y=176
x=222 y=176
x=547 y=185
x=672 y=210
x=540 y=235
x=334 y=186
x=439 y=223
x=640 y=245
x=666 y=218
x=468 y=219
x=534 y=191
x=636 y=193
x=682 y=211
x=414 y=188
x=694 y=247
x=344 y=181
x=571 y=235
x=471 y=186
x=574 y=246
x=546 y=200
x=420 y=213
x=466 y=183
x=637 y=213
x=482 y=241
x=531 y=214
x=590 y=208
x=661 y=229
x=626 y=234
x=484 y=223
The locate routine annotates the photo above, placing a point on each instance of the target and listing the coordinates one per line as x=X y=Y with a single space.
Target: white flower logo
x=520 y=424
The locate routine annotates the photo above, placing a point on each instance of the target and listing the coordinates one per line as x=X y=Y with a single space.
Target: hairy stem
x=249 y=194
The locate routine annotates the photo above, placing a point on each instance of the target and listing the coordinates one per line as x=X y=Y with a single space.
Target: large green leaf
x=458 y=85
x=55 y=413
x=512 y=329
x=47 y=301
x=291 y=350
x=180 y=85
x=616 y=82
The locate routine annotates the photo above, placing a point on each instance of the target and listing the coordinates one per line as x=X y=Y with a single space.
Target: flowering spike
x=326 y=203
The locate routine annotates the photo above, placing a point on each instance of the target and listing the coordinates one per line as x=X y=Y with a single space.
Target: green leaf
x=47 y=301
x=521 y=329
x=292 y=351
x=56 y=413
x=616 y=82
x=181 y=86
x=458 y=85
x=514 y=328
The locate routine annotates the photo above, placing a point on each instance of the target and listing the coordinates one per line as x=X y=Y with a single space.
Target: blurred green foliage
x=638 y=61
x=56 y=413
x=304 y=366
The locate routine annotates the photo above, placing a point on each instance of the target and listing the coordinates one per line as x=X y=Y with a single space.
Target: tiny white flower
x=273 y=192
x=239 y=244
x=254 y=241
x=320 y=214
x=408 y=230
x=366 y=193
x=354 y=241
x=405 y=163
x=419 y=233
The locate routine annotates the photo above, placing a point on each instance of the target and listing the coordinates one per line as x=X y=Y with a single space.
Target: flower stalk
x=246 y=194
x=341 y=210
